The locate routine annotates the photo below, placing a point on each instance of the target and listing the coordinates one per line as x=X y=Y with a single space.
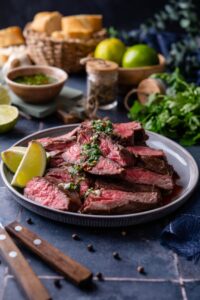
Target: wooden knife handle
x=30 y=283
x=62 y=263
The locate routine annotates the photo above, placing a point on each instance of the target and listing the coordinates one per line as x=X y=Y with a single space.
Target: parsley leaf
x=175 y=114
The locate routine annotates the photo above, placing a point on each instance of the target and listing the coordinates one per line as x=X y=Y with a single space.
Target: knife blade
x=27 y=279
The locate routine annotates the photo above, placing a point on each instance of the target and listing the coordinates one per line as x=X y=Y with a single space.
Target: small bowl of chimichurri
x=36 y=84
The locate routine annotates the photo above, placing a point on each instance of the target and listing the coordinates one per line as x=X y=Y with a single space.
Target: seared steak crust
x=115 y=201
x=143 y=176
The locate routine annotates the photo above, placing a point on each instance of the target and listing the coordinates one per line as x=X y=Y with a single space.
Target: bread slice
x=81 y=26
x=11 y=36
x=58 y=35
x=47 y=22
x=92 y=21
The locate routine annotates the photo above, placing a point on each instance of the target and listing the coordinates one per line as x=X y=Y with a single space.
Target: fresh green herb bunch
x=175 y=114
x=102 y=126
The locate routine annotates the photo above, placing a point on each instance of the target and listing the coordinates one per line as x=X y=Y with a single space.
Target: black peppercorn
x=90 y=248
x=75 y=237
x=57 y=283
x=99 y=276
x=141 y=270
x=29 y=221
x=116 y=255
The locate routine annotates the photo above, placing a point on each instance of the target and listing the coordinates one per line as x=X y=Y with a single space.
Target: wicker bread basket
x=65 y=54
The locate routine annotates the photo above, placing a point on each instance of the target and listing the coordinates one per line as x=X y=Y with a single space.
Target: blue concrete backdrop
x=120 y=13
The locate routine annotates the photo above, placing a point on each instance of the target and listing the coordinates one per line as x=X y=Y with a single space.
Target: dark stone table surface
x=168 y=276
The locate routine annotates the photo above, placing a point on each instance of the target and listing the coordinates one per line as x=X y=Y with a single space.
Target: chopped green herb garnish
x=75 y=169
x=69 y=186
x=92 y=153
x=92 y=191
x=102 y=126
x=36 y=79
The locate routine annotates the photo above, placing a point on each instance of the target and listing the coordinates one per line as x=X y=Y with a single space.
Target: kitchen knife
x=28 y=280
x=62 y=263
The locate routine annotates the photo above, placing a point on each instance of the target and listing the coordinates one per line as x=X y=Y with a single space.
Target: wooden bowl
x=37 y=94
x=133 y=76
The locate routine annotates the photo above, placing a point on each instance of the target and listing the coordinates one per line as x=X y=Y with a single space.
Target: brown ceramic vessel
x=36 y=94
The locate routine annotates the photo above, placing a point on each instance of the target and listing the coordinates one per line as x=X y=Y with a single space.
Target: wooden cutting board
x=68 y=99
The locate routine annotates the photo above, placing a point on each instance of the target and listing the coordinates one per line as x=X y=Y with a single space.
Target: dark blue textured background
x=124 y=14
x=168 y=276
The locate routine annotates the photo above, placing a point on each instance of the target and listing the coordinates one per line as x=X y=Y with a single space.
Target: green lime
x=8 y=117
x=139 y=56
x=110 y=49
x=12 y=157
x=32 y=164
x=4 y=96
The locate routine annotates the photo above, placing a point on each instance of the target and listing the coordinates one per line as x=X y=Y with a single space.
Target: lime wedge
x=4 y=96
x=12 y=157
x=8 y=117
x=33 y=164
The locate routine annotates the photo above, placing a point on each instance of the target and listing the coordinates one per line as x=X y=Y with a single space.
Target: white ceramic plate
x=183 y=163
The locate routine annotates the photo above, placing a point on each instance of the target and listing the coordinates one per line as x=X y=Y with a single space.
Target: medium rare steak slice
x=146 y=151
x=115 y=152
x=143 y=176
x=73 y=154
x=58 y=175
x=41 y=190
x=118 y=202
x=112 y=184
x=62 y=175
x=155 y=164
x=56 y=159
x=50 y=145
x=151 y=159
x=105 y=166
x=69 y=135
x=131 y=133
x=84 y=135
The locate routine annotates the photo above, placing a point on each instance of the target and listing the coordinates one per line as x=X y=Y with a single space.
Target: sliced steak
x=130 y=133
x=105 y=166
x=84 y=135
x=58 y=175
x=62 y=175
x=118 y=202
x=56 y=159
x=73 y=154
x=146 y=151
x=115 y=152
x=70 y=135
x=143 y=176
x=112 y=184
x=55 y=144
x=155 y=164
x=41 y=190
x=151 y=159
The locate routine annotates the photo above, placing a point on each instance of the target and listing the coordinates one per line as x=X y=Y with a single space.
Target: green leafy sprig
x=175 y=114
